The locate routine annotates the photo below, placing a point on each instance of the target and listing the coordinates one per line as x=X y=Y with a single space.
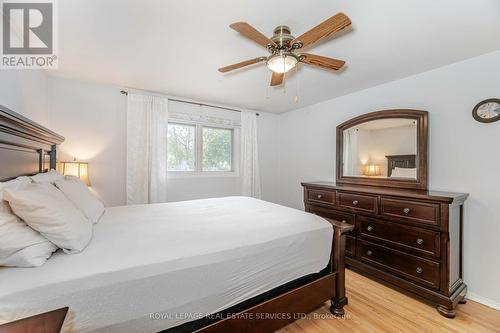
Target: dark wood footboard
x=279 y=311
x=338 y=265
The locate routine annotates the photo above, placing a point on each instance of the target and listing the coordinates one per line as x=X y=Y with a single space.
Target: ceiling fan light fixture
x=281 y=63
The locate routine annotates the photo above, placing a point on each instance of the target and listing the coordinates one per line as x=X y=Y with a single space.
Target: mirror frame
x=421 y=157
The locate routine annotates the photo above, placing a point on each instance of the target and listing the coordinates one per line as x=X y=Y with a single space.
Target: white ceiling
x=175 y=47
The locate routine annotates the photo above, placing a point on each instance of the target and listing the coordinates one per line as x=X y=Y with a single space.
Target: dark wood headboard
x=400 y=161
x=26 y=148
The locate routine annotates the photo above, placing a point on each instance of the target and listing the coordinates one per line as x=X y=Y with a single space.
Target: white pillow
x=404 y=173
x=47 y=177
x=78 y=193
x=44 y=208
x=20 y=245
x=19 y=182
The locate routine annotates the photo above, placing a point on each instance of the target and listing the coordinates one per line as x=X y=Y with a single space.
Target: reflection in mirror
x=382 y=148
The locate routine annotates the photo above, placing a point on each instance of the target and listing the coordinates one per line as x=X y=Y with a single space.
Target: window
x=217 y=149
x=181 y=147
x=200 y=149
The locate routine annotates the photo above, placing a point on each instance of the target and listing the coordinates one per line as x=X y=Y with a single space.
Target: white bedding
x=173 y=261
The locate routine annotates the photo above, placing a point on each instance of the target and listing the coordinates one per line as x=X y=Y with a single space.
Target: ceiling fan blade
x=323 y=62
x=241 y=64
x=250 y=32
x=324 y=29
x=277 y=79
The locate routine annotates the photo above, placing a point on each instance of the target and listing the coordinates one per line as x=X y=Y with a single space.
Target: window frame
x=198 y=144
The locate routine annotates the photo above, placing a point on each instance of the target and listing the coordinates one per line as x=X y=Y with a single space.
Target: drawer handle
x=420 y=270
x=369 y=252
x=344 y=221
x=420 y=241
x=355 y=202
x=406 y=210
x=320 y=196
x=369 y=228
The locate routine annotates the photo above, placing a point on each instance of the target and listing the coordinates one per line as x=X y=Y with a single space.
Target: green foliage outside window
x=181 y=147
x=217 y=144
x=216 y=150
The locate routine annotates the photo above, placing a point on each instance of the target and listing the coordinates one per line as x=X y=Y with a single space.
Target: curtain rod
x=124 y=92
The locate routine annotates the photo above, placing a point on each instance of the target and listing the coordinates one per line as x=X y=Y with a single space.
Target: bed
x=400 y=161
x=158 y=267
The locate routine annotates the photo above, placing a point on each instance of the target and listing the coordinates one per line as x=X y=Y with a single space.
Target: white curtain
x=147 y=125
x=350 y=150
x=249 y=166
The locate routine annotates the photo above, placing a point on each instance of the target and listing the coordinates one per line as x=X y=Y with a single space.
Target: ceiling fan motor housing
x=282 y=36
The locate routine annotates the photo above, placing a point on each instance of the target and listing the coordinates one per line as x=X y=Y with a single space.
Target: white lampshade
x=371 y=170
x=76 y=169
x=281 y=63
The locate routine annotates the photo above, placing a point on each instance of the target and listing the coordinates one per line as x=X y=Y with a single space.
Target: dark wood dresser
x=409 y=239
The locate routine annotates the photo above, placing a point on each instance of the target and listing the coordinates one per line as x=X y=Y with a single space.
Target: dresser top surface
x=442 y=196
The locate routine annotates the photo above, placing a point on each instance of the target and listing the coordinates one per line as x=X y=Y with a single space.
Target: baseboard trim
x=483 y=300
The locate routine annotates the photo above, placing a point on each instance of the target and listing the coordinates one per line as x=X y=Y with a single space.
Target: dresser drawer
x=413 y=268
x=358 y=202
x=417 y=240
x=321 y=196
x=332 y=214
x=410 y=210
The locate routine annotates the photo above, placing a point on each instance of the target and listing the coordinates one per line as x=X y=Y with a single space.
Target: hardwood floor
x=386 y=310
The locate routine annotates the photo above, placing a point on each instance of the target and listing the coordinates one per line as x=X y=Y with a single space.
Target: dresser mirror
x=384 y=148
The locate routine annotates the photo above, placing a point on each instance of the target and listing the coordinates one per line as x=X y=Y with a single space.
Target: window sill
x=206 y=174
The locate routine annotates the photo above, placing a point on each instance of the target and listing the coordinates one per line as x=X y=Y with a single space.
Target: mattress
x=153 y=267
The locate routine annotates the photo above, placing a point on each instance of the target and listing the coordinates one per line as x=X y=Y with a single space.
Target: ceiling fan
x=283 y=47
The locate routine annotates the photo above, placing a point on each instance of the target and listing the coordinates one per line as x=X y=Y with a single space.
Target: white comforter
x=151 y=267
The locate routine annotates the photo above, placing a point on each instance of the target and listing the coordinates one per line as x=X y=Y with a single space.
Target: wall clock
x=487 y=111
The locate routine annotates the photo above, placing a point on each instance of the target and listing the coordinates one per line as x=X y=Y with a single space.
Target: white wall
x=268 y=153
x=25 y=92
x=464 y=154
x=92 y=118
